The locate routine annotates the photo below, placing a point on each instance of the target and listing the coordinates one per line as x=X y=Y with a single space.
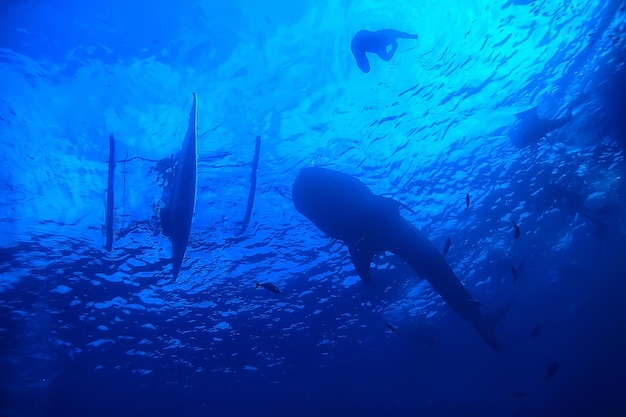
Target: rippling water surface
x=84 y=331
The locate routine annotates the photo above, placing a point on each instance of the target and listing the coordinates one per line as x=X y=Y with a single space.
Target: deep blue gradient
x=84 y=332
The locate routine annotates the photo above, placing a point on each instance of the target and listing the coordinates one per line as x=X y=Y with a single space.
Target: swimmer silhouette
x=377 y=43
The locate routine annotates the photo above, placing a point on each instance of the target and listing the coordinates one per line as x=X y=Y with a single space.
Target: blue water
x=86 y=332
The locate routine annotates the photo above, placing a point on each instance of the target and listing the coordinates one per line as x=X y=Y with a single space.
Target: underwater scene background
x=500 y=130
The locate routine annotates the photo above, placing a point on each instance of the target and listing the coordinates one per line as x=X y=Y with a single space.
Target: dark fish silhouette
x=268 y=286
x=514 y=273
x=519 y=394
x=446 y=247
x=552 y=369
x=392 y=327
x=516 y=230
x=467 y=201
x=518 y=3
x=431 y=342
x=535 y=331
x=530 y=128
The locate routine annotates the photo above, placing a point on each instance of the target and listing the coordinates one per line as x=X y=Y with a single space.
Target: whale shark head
x=335 y=202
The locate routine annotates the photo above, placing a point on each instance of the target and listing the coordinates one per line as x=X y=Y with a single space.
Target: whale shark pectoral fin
x=361 y=255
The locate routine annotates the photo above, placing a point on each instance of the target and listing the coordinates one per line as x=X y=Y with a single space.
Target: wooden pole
x=255 y=166
x=110 y=195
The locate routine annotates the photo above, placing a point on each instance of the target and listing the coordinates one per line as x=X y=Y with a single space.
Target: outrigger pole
x=110 y=195
x=255 y=166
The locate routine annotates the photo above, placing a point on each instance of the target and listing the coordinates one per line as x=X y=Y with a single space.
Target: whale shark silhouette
x=177 y=214
x=344 y=208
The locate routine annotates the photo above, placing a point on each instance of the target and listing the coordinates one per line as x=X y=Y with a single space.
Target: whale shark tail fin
x=486 y=326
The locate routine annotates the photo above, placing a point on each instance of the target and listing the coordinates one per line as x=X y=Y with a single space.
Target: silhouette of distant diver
x=376 y=42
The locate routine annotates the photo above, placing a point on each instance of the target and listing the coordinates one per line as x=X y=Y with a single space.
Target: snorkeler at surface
x=376 y=42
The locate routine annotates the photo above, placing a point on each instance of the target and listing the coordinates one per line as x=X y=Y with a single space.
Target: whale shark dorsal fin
x=361 y=254
x=386 y=205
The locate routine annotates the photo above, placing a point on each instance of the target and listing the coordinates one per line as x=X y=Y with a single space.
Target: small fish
x=467 y=201
x=430 y=344
x=535 y=331
x=268 y=286
x=392 y=327
x=516 y=230
x=446 y=246
x=519 y=394
x=552 y=369
x=475 y=302
x=409 y=209
x=514 y=273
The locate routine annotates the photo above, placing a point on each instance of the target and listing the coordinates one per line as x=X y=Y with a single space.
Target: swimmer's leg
x=396 y=34
x=361 y=60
